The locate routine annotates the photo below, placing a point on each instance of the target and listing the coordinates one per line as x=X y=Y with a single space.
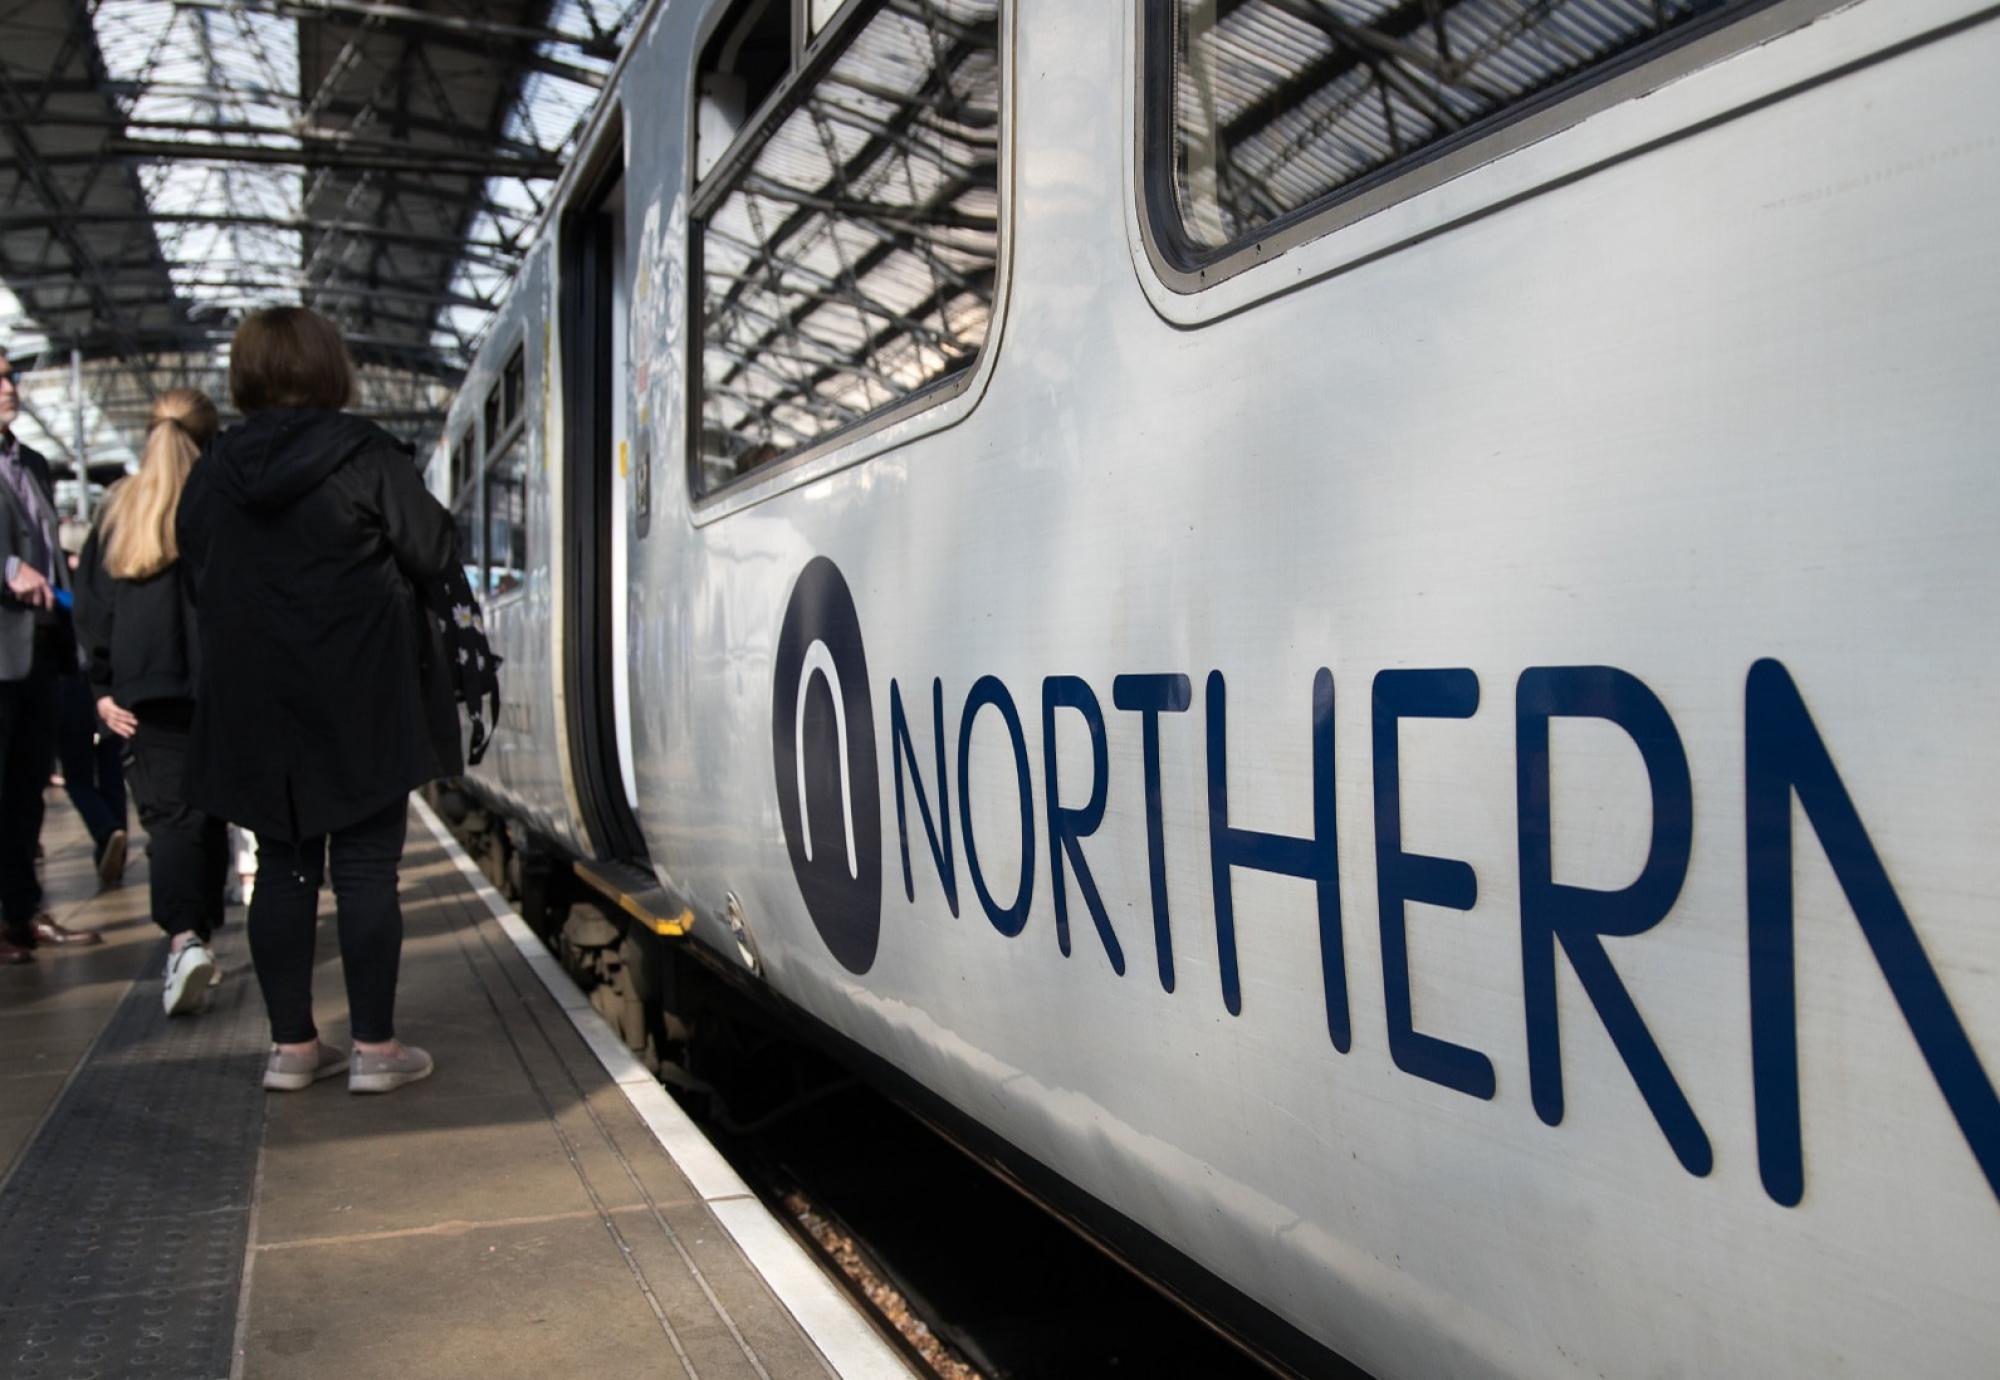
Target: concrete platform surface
x=515 y=1215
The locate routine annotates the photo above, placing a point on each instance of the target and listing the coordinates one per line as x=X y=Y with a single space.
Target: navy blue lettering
x=1782 y=754
x=940 y=834
x=1579 y=917
x=1010 y=919
x=1401 y=877
x=1068 y=825
x=1151 y=696
x=1315 y=859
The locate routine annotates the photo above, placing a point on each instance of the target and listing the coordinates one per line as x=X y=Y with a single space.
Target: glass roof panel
x=187 y=74
x=186 y=178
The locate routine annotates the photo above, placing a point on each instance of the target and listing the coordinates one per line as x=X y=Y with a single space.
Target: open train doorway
x=595 y=326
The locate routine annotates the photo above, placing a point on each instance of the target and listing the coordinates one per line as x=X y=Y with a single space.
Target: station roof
x=171 y=164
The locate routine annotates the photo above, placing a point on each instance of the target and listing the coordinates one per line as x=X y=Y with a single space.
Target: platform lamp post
x=79 y=452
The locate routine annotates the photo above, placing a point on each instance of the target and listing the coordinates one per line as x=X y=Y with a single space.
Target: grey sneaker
x=189 y=976
x=380 y=1073
x=291 y=1072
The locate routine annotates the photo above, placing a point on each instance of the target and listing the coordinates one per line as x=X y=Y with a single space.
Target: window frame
x=1186 y=272
x=922 y=412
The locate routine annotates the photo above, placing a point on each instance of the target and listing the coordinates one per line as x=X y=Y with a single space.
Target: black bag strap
x=470 y=661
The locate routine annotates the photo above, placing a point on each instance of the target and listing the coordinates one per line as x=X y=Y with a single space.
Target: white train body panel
x=1702 y=381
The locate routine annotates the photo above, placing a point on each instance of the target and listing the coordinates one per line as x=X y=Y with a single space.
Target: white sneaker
x=380 y=1073
x=187 y=979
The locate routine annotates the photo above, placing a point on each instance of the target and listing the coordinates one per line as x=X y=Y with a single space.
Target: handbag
x=470 y=661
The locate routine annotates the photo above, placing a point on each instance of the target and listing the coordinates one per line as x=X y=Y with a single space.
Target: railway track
x=973 y=1279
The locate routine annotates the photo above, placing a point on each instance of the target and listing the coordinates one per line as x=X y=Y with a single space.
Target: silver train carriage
x=1351 y=633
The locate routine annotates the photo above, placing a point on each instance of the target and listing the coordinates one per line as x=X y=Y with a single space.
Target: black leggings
x=283 y=919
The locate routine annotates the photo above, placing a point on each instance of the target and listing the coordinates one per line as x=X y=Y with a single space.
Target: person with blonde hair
x=324 y=697
x=136 y=622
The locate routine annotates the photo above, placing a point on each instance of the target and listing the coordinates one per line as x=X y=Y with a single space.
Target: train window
x=465 y=506
x=1264 y=113
x=748 y=56
x=514 y=379
x=507 y=518
x=461 y=462
x=848 y=242
x=818 y=12
x=503 y=554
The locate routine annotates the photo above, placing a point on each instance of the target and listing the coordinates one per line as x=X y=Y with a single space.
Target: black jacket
x=138 y=636
x=19 y=622
x=323 y=693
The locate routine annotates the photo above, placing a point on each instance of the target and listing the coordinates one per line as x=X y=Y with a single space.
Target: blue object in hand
x=64 y=599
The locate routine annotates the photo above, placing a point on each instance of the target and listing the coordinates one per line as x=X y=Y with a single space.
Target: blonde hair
x=138 y=522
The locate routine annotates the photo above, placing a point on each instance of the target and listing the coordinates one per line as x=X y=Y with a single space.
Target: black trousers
x=363 y=859
x=27 y=757
x=90 y=755
x=188 y=850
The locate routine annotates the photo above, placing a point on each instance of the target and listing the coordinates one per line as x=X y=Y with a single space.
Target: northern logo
x=823 y=749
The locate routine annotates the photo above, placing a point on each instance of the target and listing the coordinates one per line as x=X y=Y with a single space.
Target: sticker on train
x=823 y=745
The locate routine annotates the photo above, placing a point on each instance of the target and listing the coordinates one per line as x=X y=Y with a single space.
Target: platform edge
x=844 y=1337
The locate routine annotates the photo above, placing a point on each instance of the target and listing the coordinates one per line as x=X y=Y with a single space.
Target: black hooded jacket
x=323 y=694
x=138 y=636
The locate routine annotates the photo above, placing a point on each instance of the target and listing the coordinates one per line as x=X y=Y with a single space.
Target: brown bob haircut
x=289 y=357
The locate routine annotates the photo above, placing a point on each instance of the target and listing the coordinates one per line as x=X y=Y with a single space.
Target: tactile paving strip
x=123 y=1229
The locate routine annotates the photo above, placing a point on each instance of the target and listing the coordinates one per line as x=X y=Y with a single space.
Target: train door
x=621 y=497
x=594 y=324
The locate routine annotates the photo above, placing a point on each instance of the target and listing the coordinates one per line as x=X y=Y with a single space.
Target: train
x=1346 y=635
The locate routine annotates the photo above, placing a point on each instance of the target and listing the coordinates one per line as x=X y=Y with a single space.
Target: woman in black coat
x=137 y=628
x=324 y=698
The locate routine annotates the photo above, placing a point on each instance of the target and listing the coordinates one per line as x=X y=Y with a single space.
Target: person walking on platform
x=92 y=760
x=93 y=775
x=323 y=698
x=37 y=645
x=136 y=622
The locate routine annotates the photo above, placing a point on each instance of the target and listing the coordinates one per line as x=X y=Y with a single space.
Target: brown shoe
x=47 y=931
x=12 y=953
x=111 y=861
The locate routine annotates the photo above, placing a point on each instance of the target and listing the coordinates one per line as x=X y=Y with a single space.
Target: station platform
x=538 y=1207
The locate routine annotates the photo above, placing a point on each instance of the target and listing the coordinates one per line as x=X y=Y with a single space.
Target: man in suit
x=37 y=644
